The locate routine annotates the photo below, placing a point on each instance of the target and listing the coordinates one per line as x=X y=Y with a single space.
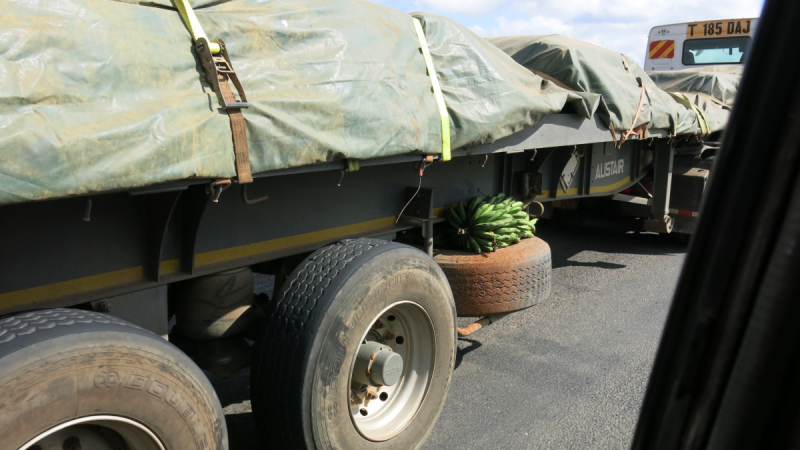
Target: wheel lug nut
x=372 y=394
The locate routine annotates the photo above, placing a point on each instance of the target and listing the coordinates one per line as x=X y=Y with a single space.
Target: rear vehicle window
x=729 y=50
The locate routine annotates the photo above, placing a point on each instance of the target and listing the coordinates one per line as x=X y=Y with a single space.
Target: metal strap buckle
x=220 y=67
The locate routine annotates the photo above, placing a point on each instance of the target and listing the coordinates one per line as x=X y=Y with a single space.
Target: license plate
x=720 y=28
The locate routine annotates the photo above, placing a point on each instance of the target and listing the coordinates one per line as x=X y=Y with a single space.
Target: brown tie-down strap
x=640 y=130
x=239 y=133
x=625 y=63
x=218 y=72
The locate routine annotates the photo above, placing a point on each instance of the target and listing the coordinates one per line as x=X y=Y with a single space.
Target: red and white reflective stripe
x=683 y=212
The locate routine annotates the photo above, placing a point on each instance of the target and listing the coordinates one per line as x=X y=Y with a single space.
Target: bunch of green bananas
x=485 y=225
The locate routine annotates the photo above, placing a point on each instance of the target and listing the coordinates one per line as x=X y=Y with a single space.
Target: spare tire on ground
x=509 y=279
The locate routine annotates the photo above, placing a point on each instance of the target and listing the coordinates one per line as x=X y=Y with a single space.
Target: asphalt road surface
x=569 y=373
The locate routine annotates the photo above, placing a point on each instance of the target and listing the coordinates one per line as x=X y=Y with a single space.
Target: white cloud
x=661 y=11
x=461 y=7
x=623 y=37
x=474 y=8
x=477 y=29
x=533 y=25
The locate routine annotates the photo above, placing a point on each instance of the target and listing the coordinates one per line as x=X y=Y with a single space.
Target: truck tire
x=509 y=279
x=342 y=301
x=80 y=379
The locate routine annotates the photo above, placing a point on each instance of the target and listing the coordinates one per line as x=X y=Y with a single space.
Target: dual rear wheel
x=357 y=354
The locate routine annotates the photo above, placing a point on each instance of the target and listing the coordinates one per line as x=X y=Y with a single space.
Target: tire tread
x=280 y=361
x=36 y=325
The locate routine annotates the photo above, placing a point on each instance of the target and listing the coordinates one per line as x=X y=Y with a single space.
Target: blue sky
x=621 y=25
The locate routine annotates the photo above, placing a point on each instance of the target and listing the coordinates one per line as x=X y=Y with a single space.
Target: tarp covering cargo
x=584 y=67
x=718 y=82
x=102 y=95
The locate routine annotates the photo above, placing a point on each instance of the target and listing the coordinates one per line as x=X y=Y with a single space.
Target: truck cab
x=694 y=44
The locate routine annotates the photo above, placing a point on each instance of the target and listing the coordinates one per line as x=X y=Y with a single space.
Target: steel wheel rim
x=105 y=430
x=396 y=405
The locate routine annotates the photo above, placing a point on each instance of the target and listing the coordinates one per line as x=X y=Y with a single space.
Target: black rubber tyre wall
x=301 y=365
x=61 y=364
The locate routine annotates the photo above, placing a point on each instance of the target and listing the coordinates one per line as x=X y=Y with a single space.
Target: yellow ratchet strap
x=705 y=127
x=437 y=91
x=219 y=72
x=187 y=13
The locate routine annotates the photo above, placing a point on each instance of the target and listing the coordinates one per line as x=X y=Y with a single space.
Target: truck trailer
x=134 y=217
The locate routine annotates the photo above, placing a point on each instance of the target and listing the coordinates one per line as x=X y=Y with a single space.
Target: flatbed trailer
x=134 y=254
x=69 y=251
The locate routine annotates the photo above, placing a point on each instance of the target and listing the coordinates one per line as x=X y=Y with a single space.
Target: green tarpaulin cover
x=102 y=95
x=718 y=82
x=584 y=67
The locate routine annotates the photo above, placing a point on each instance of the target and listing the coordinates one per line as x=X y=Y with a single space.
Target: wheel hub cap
x=391 y=370
x=377 y=365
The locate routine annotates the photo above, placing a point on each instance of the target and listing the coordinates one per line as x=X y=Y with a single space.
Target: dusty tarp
x=102 y=95
x=487 y=93
x=584 y=67
x=718 y=82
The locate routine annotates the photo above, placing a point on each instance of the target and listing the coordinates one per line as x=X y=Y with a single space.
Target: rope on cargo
x=219 y=70
x=641 y=130
x=702 y=120
x=625 y=63
x=437 y=91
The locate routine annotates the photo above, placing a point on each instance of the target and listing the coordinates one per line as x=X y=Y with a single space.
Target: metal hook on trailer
x=535 y=151
x=248 y=201
x=421 y=165
x=87 y=213
x=539 y=209
x=485 y=160
x=214 y=189
x=351 y=165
